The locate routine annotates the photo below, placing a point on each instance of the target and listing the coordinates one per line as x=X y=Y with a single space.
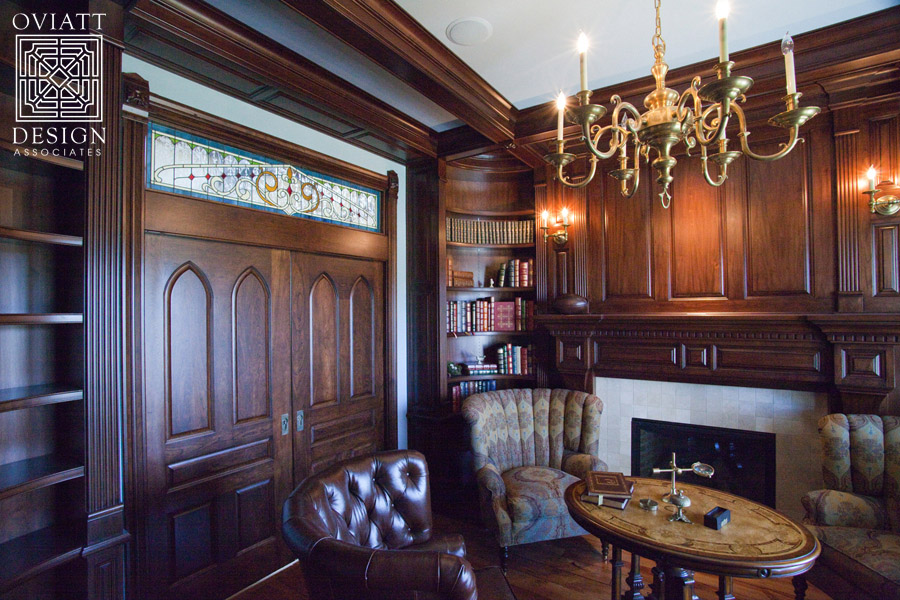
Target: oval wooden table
x=757 y=543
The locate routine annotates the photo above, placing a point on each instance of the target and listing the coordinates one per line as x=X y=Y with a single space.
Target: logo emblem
x=58 y=78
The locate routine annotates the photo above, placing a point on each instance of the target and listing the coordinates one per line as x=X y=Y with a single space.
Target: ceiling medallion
x=671 y=118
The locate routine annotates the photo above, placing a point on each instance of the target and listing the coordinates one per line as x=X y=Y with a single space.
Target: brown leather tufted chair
x=362 y=531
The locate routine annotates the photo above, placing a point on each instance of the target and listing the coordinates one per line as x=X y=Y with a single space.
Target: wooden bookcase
x=492 y=187
x=42 y=454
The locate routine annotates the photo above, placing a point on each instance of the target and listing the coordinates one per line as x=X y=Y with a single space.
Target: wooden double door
x=261 y=366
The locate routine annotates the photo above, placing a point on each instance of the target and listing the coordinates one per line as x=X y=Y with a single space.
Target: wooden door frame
x=282 y=232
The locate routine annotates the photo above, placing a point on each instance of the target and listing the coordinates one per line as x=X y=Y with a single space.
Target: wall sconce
x=880 y=200
x=559 y=237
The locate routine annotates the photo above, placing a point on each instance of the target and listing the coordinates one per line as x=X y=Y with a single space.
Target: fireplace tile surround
x=791 y=415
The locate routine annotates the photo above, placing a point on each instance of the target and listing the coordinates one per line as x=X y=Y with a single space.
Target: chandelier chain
x=659 y=45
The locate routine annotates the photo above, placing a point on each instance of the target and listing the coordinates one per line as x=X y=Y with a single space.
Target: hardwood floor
x=569 y=569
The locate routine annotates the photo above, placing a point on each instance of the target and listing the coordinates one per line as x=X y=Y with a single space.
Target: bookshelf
x=42 y=434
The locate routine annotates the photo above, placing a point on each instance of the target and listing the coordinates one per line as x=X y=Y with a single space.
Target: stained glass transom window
x=187 y=164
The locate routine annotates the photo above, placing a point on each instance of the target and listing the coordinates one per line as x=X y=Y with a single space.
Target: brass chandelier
x=671 y=118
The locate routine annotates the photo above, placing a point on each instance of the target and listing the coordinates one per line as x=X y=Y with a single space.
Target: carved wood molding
x=856 y=355
x=253 y=68
x=386 y=34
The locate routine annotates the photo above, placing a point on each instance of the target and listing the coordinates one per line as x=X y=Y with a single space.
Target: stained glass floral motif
x=188 y=164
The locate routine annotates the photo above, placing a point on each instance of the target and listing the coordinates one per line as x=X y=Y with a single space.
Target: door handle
x=285 y=424
x=300 y=420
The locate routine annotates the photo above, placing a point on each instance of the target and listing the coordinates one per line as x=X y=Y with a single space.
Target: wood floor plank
x=569 y=569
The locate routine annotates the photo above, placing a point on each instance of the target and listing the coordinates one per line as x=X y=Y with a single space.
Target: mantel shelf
x=35 y=473
x=30 y=555
x=37 y=395
x=28 y=235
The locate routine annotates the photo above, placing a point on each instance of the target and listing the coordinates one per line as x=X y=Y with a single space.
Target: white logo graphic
x=58 y=78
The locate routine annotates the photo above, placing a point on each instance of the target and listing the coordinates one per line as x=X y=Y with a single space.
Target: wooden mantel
x=853 y=357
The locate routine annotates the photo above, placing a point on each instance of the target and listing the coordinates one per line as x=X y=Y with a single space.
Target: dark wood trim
x=38 y=395
x=386 y=34
x=41 y=319
x=38 y=552
x=185 y=118
x=211 y=36
x=134 y=132
x=27 y=235
x=391 y=292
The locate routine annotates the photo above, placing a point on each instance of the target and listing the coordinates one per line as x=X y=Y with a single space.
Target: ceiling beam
x=386 y=34
x=193 y=27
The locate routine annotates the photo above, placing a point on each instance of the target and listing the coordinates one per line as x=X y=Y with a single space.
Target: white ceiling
x=531 y=53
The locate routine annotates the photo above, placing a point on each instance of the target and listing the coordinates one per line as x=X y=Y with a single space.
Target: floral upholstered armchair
x=857 y=519
x=529 y=446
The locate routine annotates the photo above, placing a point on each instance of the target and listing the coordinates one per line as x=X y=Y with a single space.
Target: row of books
x=470 y=231
x=464 y=389
x=515 y=360
x=489 y=314
x=460 y=278
x=516 y=273
x=607 y=489
x=480 y=368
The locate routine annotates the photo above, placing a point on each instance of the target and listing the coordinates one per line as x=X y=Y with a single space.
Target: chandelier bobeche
x=671 y=118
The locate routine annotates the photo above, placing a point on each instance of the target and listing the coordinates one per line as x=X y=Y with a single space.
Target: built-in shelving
x=491 y=246
x=34 y=473
x=495 y=376
x=513 y=290
x=59 y=161
x=40 y=318
x=486 y=333
x=28 y=235
x=38 y=395
x=37 y=552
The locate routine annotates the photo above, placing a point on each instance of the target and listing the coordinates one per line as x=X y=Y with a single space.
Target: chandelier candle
x=722 y=15
x=561 y=107
x=787 y=48
x=582 y=57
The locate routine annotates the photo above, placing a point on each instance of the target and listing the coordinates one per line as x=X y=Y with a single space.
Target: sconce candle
x=565 y=216
x=582 y=57
x=544 y=218
x=871 y=174
x=561 y=107
x=787 y=48
x=722 y=15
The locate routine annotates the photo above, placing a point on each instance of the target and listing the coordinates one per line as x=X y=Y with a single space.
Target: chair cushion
x=536 y=492
x=868 y=558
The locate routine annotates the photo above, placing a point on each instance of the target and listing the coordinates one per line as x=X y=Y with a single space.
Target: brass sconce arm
x=883 y=199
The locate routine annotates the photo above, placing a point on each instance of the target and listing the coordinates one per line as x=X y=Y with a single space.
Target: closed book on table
x=603 y=483
x=608 y=501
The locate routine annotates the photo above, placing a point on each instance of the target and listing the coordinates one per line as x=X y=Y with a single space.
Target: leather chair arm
x=844 y=509
x=580 y=463
x=450 y=577
x=449 y=543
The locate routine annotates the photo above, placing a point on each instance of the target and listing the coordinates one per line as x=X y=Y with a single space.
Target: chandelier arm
x=623 y=185
x=717 y=131
x=593 y=142
x=745 y=147
x=705 y=168
x=581 y=183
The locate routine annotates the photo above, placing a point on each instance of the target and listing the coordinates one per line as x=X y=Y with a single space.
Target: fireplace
x=744 y=460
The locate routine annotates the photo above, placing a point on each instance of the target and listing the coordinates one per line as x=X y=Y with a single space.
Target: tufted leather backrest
x=377 y=501
x=516 y=428
x=861 y=454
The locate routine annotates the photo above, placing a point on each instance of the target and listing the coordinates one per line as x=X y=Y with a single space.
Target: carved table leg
x=800 y=586
x=617 y=564
x=679 y=584
x=726 y=588
x=658 y=587
x=634 y=580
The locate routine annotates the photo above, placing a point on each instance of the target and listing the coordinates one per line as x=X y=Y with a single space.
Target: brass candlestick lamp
x=671 y=118
x=676 y=497
x=558 y=237
x=881 y=201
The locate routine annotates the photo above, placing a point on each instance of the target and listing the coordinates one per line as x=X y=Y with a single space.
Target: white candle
x=722 y=15
x=787 y=48
x=871 y=174
x=582 y=56
x=561 y=107
x=565 y=214
x=544 y=218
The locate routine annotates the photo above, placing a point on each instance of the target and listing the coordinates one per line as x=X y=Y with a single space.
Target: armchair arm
x=494 y=510
x=844 y=509
x=580 y=463
x=356 y=568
